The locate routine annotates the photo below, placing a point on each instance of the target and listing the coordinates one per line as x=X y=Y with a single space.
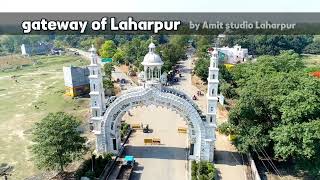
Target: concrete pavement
x=228 y=161
x=166 y=161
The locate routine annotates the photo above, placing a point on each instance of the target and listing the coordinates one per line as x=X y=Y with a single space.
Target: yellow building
x=76 y=80
x=229 y=66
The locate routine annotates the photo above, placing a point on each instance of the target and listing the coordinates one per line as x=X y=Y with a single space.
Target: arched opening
x=155 y=72
x=163 y=124
x=148 y=73
x=184 y=107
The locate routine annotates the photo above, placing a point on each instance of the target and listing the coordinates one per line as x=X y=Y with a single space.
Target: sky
x=161 y=6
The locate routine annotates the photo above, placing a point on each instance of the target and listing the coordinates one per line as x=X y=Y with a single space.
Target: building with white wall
x=233 y=55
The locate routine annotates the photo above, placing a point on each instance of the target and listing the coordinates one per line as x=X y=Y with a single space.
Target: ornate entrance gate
x=106 y=121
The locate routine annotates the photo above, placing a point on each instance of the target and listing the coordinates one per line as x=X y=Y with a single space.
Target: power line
x=261 y=160
x=270 y=162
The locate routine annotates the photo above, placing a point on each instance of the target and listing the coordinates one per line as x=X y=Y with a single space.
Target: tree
x=203 y=43
x=57 y=141
x=291 y=139
x=108 y=68
x=277 y=108
x=313 y=48
x=60 y=44
x=179 y=40
x=300 y=141
x=171 y=54
x=108 y=85
x=108 y=49
x=201 y=68
x=107 y=79
x=118 y=57
x=269 y=44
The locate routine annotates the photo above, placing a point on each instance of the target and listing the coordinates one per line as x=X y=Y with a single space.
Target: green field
x=27 y=94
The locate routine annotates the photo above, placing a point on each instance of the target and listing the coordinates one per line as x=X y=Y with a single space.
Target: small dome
x=151 y=45
x=152 y=58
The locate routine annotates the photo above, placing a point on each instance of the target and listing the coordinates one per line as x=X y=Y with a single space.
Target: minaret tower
x=212 y=99
x=98 y=105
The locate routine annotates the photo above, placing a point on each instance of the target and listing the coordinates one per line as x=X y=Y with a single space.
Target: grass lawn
x=312 y=60
x=27 y=94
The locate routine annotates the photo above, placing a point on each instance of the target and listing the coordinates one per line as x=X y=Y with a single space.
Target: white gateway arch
x=106 y=121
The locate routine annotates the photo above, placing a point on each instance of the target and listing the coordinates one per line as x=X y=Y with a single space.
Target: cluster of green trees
x=128 y=49
x=277 y=101
x=10 y=44
x=203 y=170
x=257 y=45
x=277 y=110
x=171 y=49
x=269 y=44
x=136 y=44
x=313 y=48
x=202 y=44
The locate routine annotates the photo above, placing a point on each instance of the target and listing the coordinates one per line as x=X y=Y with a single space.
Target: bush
x=100 y=162
x=194 y=169
x=124 y=129
x=227 y=89
x=90 y=174
x=226 y=128
x=203 y=170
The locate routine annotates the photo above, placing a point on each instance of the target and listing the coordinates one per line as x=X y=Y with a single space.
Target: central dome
x=152 y=58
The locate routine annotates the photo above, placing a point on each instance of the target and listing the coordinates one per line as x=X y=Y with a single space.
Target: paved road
x=166 y=161
x=227 y=160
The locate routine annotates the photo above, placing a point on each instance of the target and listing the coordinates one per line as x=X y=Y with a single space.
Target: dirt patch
x=13 y=61
x=196 y=81
x=124 y=68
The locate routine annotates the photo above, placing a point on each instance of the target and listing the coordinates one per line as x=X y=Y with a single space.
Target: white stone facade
x=107 y=127
x=212 y=98
x=97 y=97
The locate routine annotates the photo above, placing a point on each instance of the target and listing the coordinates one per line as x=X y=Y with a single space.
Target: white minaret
x=213 y=82
x=98 y=105
x=212 y=101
